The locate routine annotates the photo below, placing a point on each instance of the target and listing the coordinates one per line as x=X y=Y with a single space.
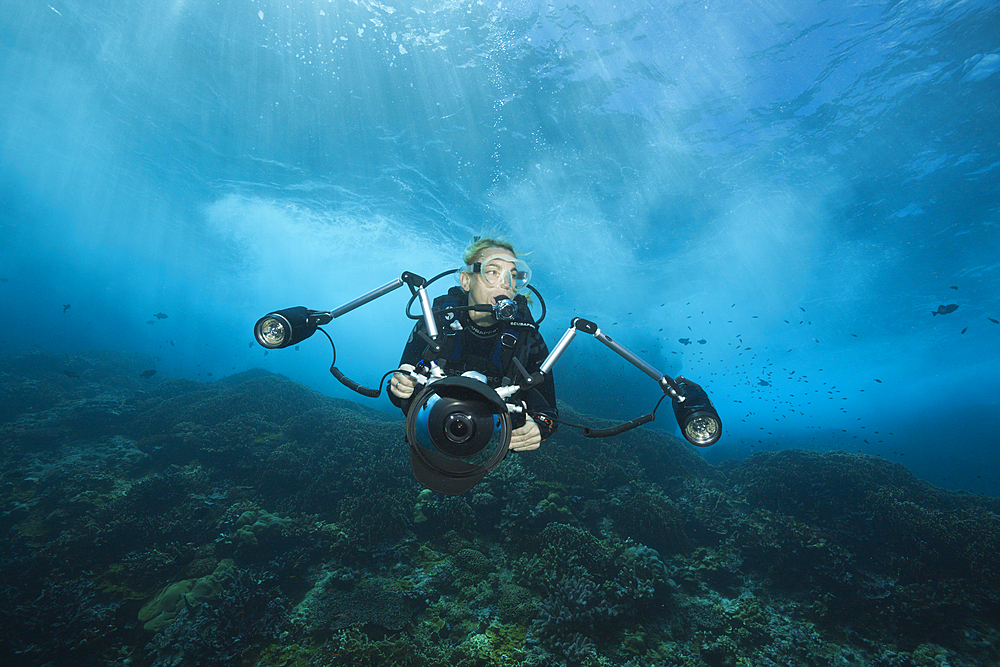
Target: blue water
x=797 y=184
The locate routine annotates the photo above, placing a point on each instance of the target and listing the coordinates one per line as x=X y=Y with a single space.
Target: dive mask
x=503 y=268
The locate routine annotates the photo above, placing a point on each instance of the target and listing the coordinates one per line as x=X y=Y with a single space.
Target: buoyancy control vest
x=511 y=342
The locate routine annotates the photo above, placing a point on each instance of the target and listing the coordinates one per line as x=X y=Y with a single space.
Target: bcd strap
x=510 y=343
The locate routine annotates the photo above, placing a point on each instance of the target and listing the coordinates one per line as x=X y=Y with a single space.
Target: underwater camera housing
x=458 y=429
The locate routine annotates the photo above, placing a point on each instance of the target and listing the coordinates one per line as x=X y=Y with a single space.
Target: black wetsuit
x=471 y=347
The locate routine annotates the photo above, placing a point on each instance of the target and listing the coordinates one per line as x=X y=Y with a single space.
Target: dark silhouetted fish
x=944 y=310
x=764 y=383
x=702 y=341
x=66 y=307
x=954 y=286
x=965 y=329
x=684 y=341
x=160 y=316
x=993 y=320
x=148 y=374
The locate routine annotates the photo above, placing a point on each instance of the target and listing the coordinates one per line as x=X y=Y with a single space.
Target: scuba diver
x=475 y=377
x=480 y=345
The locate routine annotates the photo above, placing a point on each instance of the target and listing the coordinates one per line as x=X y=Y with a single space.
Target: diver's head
x=492 y=269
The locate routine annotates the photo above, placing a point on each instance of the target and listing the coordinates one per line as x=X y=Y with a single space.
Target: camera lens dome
x=459 y=428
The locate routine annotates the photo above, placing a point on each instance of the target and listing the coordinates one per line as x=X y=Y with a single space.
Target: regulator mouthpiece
x=504 y=310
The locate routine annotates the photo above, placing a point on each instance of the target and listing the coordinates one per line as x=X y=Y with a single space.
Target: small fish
x=954 y=286
x=160 y=316
x=684 y=341
x=150 y=321
x=148 y=374
x=993 y=320
x=702 y=341
x=877 y=380
x=944 y=310
x=764 y=383
x=965 y=329
x=66 y=307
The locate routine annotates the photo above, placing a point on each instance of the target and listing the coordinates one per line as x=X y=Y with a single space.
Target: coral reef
x=569 y=618
x=186 y=594
x=250 y=521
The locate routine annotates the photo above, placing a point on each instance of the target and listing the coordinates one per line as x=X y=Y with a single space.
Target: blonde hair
x=479 y=244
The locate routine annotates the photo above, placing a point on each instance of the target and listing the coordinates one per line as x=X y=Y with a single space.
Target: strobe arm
x=293 y=325
x=417 y=286
x=699 y=422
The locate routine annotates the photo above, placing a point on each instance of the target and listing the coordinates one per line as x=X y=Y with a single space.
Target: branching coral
x=650 y=518
x=561 y=551
x=570 y=617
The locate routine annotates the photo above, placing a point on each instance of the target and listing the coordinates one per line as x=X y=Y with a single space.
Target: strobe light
x=288 y=327
x=699 y=422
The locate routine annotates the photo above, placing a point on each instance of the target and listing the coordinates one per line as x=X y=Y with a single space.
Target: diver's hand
x=527 y=437
x=403 y=385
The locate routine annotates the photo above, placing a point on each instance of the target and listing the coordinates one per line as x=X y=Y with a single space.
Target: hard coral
x=168 y=602
x=570 y=617
x=650 y=518
x=248 y=614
